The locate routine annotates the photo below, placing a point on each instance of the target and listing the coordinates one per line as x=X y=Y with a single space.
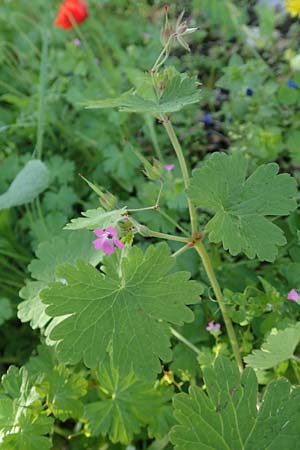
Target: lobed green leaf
x=228 y=417
x=125 y=312
x=241 y=205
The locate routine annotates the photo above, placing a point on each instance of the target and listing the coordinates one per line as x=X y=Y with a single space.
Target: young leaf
x=130 y=404
x=227 y=417
x=63 y=389
x=279 y=347
x=241 y=205
x=22 y=423
x=28 y=184
x=96 y=218
x=179 y=92
x=23 y=431
x=126 y=311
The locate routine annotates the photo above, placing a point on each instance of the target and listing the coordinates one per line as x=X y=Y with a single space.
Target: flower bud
x=153 y=171
x=108 y=201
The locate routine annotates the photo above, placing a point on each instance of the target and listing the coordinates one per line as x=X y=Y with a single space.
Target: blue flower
x=249 y=92
x=207 y=119
x=292 y=84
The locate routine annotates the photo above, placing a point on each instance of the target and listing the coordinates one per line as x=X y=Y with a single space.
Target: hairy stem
x=219 y=296
x=186 y=179
x=146 y=232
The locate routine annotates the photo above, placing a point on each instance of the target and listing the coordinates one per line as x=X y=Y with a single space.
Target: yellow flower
x=293 y=7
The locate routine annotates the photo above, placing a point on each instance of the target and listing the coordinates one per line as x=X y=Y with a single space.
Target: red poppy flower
x=71 y=9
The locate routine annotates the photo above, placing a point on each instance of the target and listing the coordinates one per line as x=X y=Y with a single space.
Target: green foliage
x=247 y=109
x=6 y=311
x=238 y=75
x=178 y=92
x=241 y=205
x=63 y=388
x=68 y=248
x=28 y=184
x=222 y=15
x=279 y=346
x=126 y=309
x=128 y=405
x=23 y=425
x=96 y=218
x=226 y=417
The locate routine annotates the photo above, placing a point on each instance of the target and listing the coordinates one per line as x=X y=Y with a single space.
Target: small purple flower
x=147 y=36
x=207 y=119
x=292 y=84
x=294 y=296
x=213 y=326
x=77 y=42
x=169 y=167
x=108 y=239
x=249 y=92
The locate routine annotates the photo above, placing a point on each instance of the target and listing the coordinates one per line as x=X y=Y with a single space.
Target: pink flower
x=169 y=167
x=77 y=42
x=147 y=36
x=212 y=326
x=294 y=296
x=107 y=240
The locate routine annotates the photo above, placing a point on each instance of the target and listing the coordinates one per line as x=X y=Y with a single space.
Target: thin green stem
x=176 y=224
x=162 y=57
x=41 y=216
x=181 y=250
x=153 y=137
x=160 y=444
x=219 y=296
x=60 y=432
x=5 y=263
x=186 y=179
x=10 y=282
x=14 y=255
x=42 y=93
x=32 y=221
x=146 y=232
x=148 y=208
x=185 y=341
x=9 y=360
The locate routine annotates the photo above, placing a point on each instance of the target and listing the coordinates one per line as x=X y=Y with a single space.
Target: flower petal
x=112 y=231
x=108 y=246
x=98 y=243
x=169 y=167
x=99 y=232
x=119 y=244
x=293 y=295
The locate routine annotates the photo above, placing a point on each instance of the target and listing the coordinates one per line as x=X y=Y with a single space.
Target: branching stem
x=200 y=247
